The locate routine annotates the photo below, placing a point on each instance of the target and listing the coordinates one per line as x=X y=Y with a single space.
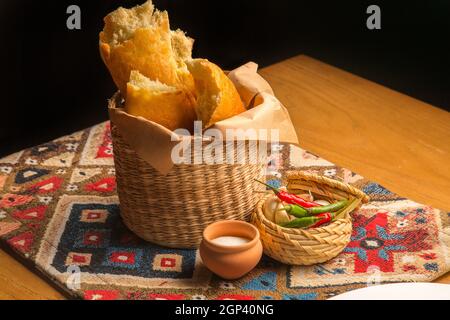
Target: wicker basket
x=315 y=245
x=173 y=209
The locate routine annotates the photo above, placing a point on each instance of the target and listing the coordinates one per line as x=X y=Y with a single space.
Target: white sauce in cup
x=230 y=241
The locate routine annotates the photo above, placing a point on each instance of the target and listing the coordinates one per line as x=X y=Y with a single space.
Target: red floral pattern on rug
x=373 y=244
x=105 y=150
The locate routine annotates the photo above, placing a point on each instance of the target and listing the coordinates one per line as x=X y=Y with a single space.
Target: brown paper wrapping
x=154 y=143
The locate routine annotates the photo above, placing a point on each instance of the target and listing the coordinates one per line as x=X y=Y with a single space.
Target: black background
x=53 y=82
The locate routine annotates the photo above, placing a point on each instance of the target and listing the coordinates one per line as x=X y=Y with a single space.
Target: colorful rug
x=59 y=212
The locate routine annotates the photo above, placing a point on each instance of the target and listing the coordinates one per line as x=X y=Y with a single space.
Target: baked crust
x=163 y=104
x=140 y=39
x=138 y=47
x=217 y=97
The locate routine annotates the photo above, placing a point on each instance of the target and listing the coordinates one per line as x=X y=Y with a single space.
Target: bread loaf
x=158 y=102
x=140 y=39
x=217 y=97
x=153 y=68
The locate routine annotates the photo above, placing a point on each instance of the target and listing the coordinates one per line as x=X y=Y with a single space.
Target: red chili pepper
x=324 y=218
x=290 y=198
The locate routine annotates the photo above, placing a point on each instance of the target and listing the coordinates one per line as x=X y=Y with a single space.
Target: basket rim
x=259 y=214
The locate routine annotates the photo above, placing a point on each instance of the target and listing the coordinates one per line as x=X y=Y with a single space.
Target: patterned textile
x=59 y=211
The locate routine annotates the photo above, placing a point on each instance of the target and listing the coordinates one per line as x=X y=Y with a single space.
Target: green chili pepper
x=296 y=211
x=301 y=222
x=329 y=208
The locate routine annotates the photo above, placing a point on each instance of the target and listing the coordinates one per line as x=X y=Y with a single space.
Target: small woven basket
x=315 y=245
x=172 y=210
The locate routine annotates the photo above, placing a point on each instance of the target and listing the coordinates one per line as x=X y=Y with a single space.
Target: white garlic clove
x=306 y=197
x=281 y=216
x=270 y=206
x=322 y=202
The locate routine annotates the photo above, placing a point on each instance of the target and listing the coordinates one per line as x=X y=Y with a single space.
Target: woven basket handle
x=302 y=175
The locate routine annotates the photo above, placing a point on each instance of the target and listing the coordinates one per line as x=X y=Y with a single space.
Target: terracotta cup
x=231 y=262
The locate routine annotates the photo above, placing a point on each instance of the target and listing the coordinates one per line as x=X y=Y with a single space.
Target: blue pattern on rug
x=266 y=281
x=96 y=230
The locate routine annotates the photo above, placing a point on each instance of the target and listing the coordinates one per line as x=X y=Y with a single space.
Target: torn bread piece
x=158 y=102
x=182 y=46
x=140 y=39
x=217 y=97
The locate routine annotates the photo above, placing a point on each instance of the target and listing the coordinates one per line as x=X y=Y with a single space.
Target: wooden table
x=383 y=135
